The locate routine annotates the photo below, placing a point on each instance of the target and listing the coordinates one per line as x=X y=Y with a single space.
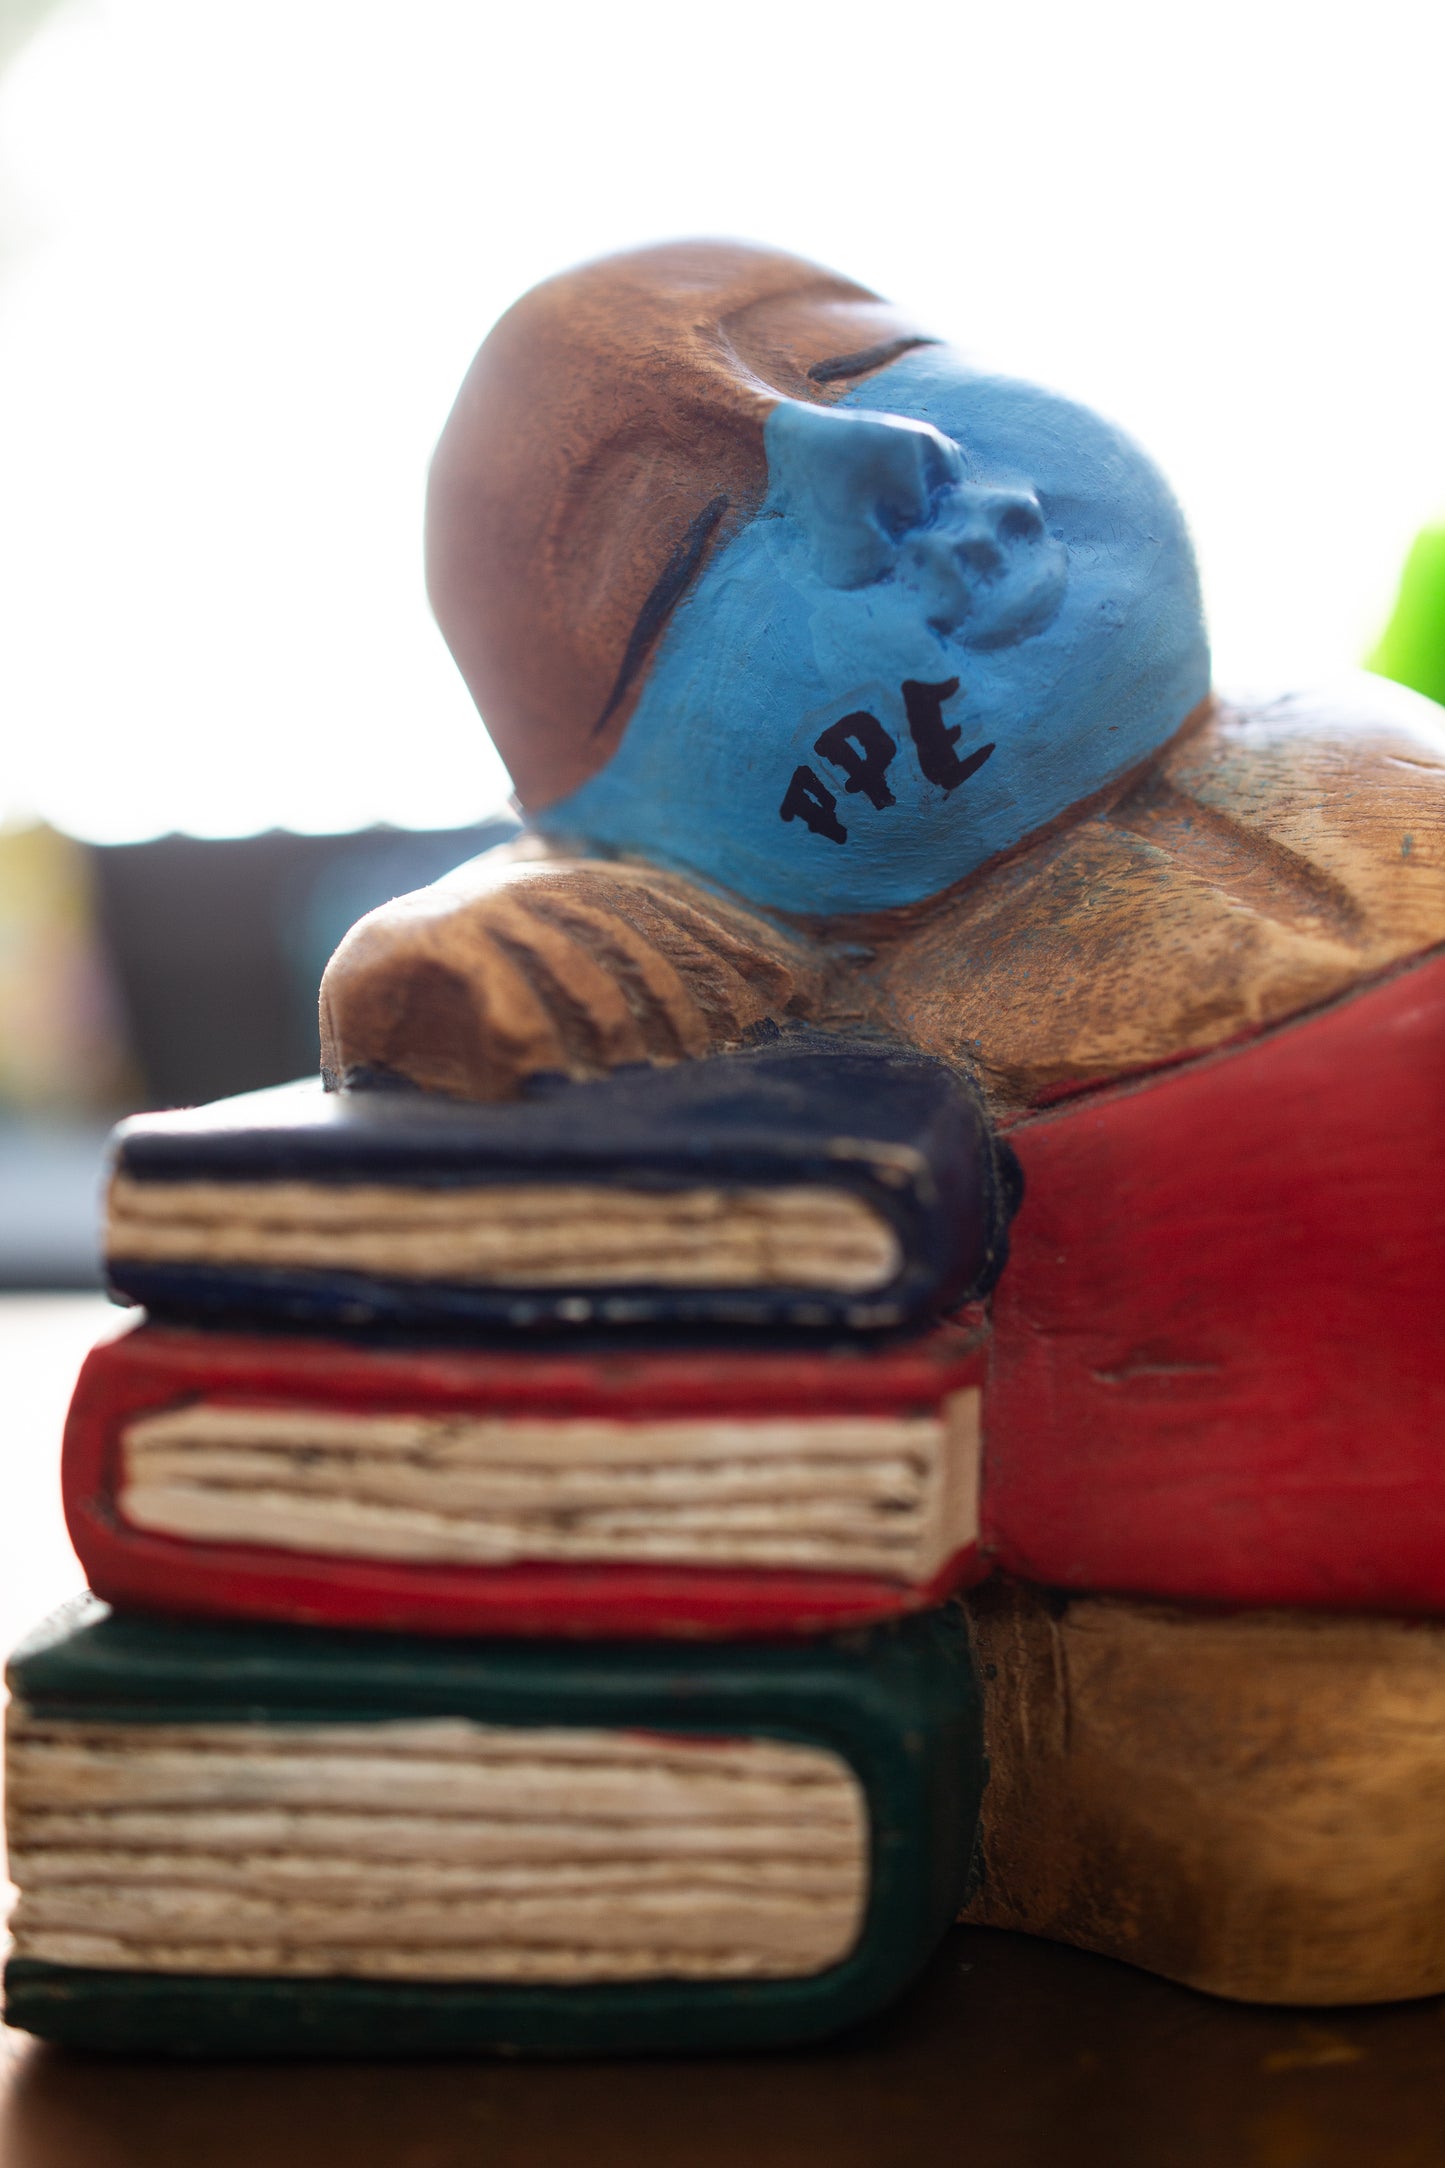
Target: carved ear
x=856 y=482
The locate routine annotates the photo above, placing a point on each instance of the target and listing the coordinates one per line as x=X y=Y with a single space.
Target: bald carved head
x=608 y=438
x=749 y=573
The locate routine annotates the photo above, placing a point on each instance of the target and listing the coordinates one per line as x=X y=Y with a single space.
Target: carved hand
x=516 y=965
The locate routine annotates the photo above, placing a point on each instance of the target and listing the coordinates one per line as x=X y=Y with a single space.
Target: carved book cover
x=808 y=1183
x=240 y=1840
x=565 y=1490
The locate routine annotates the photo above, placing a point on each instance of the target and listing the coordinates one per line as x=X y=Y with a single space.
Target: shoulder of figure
x=1277 y=854
x=1347 y=780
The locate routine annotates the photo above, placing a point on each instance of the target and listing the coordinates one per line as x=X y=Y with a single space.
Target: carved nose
x=981 y=554
x=996 y=523
x=986 y=567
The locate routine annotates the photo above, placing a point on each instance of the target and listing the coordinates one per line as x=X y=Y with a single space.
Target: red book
x=1218 y=1361
x=723 y=1491
x=1216 y=1372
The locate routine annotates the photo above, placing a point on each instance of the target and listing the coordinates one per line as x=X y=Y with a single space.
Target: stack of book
x=1212 y=1443
x=519 y=1539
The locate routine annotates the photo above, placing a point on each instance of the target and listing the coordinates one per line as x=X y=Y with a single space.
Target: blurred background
x=246 y=253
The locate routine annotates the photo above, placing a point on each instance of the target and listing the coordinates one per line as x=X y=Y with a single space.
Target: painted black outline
x=866 y=358
x=667 y=591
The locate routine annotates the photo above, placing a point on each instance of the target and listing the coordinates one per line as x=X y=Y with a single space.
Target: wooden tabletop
x=1009 y=2052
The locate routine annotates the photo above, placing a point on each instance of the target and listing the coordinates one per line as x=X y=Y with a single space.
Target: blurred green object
x=1412 y=650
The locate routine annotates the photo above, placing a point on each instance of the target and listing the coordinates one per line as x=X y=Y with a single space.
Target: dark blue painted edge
x=899 y=1702
x=805 y=1107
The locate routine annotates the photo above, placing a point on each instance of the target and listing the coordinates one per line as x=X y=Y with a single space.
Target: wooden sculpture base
x=1252 y=1803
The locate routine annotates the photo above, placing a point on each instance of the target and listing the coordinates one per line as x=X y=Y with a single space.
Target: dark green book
x=231 y=1840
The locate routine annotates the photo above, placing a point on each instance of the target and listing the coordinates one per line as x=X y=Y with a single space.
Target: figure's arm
x=516 y=965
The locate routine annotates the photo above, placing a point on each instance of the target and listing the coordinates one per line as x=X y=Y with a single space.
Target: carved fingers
x=500 y=973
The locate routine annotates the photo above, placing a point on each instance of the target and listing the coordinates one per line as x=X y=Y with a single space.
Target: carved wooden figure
x=859 y=704
x=844 y=682
x=841 y=680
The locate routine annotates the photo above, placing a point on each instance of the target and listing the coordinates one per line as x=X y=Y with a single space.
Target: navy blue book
x=807 y=1183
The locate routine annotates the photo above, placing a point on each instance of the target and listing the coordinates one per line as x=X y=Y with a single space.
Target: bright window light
x=246 y=251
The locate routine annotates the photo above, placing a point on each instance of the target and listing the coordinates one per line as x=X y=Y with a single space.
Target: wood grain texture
x=1217 y=1369
x=1251 y=1803
x=608 y=436
x=517 y=965
x=1275 y=856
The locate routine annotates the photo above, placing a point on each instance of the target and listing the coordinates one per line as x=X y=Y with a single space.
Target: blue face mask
x=965 y=605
